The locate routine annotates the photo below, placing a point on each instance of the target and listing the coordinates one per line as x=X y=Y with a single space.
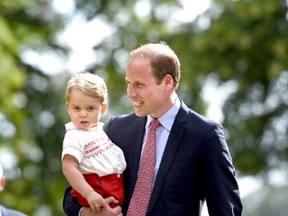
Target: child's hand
x=96 y=201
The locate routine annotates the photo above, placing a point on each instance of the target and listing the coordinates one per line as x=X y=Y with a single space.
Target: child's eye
x=76 y=108
x=91 y=108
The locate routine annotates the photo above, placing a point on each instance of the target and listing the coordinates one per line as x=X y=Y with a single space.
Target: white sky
x=80 y=36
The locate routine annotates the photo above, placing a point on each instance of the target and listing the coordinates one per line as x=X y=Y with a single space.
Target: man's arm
x=72 y=208
x=222 y=191
x=70 y=205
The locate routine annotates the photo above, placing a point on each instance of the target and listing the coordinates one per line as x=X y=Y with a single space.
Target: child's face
x=84 y=111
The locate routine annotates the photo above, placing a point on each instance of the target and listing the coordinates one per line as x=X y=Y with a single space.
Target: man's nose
x=131 y=92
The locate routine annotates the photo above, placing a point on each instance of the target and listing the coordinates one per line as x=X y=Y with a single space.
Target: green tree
x=240 y=43
x=26 y=103
x=246 y=44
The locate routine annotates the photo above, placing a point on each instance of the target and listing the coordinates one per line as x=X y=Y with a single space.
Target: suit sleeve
x=70 y=205
x=222 y=192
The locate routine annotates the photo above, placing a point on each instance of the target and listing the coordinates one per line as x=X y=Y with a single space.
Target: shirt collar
x=71 y=126
x=168 y=118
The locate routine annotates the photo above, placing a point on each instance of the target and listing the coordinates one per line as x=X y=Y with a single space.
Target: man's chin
x=139 y=114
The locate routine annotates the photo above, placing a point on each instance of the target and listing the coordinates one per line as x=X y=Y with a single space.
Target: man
x=193 y=163
x=3 y=210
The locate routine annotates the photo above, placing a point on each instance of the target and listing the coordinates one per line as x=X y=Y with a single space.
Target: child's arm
x=70 y=168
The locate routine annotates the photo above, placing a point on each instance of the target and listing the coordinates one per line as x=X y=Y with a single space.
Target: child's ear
x=67 y=108
x=104 y=108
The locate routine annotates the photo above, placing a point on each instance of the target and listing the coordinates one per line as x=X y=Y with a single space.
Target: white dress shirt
x=162 y=132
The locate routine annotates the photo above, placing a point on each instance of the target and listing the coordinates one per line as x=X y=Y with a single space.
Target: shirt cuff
x=79 y=214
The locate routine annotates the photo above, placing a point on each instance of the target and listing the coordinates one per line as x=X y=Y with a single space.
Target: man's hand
x=108 y=211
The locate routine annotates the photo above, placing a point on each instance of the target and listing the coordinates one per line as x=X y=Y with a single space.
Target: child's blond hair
x=88 y=83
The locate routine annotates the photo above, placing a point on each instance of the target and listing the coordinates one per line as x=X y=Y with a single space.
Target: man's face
x=147 y=97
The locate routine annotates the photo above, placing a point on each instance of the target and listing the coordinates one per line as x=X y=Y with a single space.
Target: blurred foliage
x=246 y=44
x=241 y=43
x=267 y=201
x=30 y=142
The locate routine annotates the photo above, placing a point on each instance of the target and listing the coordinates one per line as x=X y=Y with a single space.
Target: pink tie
x=144 y=184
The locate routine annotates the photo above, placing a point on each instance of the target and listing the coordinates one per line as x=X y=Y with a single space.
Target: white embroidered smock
x=94 y=151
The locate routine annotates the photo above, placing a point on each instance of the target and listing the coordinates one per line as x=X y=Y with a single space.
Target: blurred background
x=234 y=56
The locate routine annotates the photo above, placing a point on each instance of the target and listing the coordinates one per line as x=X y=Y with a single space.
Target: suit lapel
x=170 y=151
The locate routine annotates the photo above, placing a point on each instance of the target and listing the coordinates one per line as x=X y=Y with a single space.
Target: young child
x=91 y=163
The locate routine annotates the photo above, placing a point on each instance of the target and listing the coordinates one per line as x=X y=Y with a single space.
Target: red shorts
x=110 y=185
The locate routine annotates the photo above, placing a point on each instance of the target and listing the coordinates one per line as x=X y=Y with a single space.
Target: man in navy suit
x=193 y=163
x=3 y=210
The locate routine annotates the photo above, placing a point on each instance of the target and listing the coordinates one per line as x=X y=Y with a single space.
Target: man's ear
x=2 y=183
x=104 y=108
x=168 y=80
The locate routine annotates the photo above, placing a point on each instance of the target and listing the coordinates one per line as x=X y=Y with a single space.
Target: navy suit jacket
x=196 y=166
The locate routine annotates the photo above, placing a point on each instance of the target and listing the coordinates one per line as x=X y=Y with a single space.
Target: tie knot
x=154 y=124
